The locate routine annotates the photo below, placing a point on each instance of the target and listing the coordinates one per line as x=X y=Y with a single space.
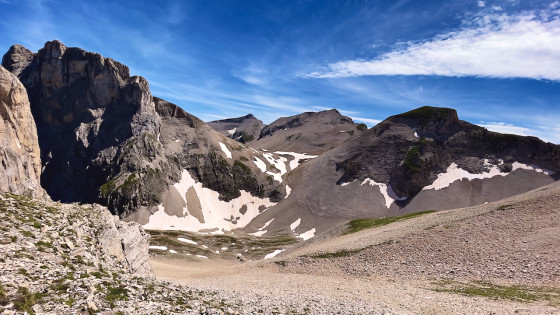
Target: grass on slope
x=362 y=224
x=494 y=291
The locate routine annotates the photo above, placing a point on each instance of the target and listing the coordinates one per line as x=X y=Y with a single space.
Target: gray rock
x=20 y=166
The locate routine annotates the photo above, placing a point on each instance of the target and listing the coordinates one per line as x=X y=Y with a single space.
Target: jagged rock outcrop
x=75 y=259
x=310 y=132
x=243 y=129
x=105 y=139
x=86 y=108
x=20 y=164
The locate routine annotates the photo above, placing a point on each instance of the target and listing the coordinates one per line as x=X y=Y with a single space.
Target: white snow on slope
x=266 y=224
x=260 y=164
x=307 y=235
x=258 y=233
x=279 y=164
x=200 y=256
x=277 y=176
x=455 y=173
x=216 y=213
x=172 y=251
x=295 y=224
x=288 y=191
x=184 y=240
x=225 y=149
x=232 y=131
x=274 y=253
x=297 y=158
x=387 y=191
x=158 y=247
x=262 y=230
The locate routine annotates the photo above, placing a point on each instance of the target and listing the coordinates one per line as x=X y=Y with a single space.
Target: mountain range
x=88 y=132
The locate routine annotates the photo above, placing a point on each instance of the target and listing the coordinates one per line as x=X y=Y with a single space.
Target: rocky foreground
x=79 y=259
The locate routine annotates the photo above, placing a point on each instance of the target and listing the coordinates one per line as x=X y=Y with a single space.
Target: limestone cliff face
x=87 y=109
x=20 y=164
x=105 y=139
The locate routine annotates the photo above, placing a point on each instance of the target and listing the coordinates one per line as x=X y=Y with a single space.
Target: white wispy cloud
x=497 y=46
x=368 y=121
x=481 y=3
x=545 y=133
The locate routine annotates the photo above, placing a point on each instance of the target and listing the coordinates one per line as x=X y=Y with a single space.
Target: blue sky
x=496 y=62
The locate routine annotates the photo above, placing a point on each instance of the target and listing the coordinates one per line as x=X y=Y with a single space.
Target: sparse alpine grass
x=362 y=224
x=494 y=291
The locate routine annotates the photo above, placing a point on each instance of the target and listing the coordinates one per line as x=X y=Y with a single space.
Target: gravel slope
x=513 y=241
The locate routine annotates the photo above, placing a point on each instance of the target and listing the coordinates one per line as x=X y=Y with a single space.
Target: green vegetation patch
x=341 y=253
x=242 y=166
x=504 y=207
x=362 y=224
x=25 y=300
x=490 y=290
x=412 y=159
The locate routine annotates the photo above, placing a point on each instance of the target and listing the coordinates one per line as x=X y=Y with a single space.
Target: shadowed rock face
x=243 y=129
x=388 y=154
x=20 y=164
x=86 y=108
x=105 y=139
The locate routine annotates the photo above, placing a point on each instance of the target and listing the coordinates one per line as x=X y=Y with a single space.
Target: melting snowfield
x=297 y=158
x=216 y=213
x=455 y=173
x=387 y=191
x=225 y=149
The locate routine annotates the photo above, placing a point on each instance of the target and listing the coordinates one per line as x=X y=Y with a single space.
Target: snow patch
x=177 y=140
x=416 y=134
x=279 y=164
x=288 y=191
x=277 y=176
x=217 y=213
x=266 y=224
x=200 y=256
x=158 y=247
x=260 y=164
x=273 y=254
x=204 y=246
x=295 y=224
x=225 y=149
x=224 y=248
x=184 y=240
x=455 y=173
x=341 y=131
x=172 y=251
x=386 y=190
x=297 y=158
x=232 y=131
x=307 y=235
x=258 y=233
x=347 y=183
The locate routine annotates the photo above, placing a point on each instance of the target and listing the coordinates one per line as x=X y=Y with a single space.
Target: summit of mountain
x=243 y=129
x=309 y=132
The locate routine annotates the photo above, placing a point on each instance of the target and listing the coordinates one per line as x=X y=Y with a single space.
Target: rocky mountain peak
x=17 y=58
x=53 y=49
x=438 y=123
x=243 y=129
